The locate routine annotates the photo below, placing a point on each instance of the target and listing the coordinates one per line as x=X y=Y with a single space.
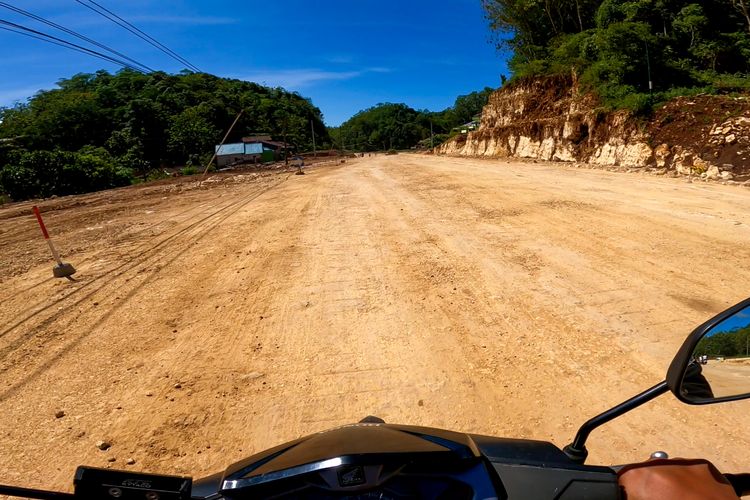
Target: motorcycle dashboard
x=381 y=481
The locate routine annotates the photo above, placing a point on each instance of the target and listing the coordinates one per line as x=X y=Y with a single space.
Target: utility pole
x=220 y=145
x=312 y=129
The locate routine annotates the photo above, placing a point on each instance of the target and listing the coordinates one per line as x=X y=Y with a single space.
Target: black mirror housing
x=679 y=366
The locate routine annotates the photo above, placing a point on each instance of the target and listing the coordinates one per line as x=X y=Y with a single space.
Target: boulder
x=661 y=155
x=713 y=172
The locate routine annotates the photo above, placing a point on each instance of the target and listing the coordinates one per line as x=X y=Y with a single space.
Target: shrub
x=46 y=173
x=20 y=183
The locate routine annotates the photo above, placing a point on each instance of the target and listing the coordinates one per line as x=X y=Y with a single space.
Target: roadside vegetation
x=733 y=343
x=397 y=126
x=98 y=131
x=102 y=130
x=616 y=47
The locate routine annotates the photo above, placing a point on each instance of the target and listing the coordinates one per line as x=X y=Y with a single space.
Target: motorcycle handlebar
x=740 y=483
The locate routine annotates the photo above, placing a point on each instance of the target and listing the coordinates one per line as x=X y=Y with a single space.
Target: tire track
x=151 y=258
x=142 y=253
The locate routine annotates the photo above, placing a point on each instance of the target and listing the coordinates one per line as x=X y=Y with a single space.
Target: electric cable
x=108 y=14
x=74 y=33
x=23 y=30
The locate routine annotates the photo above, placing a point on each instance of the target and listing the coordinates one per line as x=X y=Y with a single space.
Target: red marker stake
x=62 y=270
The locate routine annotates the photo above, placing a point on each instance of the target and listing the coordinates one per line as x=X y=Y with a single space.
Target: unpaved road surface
x=483 y=296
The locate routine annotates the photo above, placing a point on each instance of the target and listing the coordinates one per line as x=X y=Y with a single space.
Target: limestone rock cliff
x=550 y=119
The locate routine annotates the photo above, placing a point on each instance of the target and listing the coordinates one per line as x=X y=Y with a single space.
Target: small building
x=229 y=154
x=467 y=127
x=257 y=138
x=256 y=149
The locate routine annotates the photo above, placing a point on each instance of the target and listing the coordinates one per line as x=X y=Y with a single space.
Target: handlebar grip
x=740 y=483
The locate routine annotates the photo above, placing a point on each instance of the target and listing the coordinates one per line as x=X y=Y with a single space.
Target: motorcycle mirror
x=713 y=365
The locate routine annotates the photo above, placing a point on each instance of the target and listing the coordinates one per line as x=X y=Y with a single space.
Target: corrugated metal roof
x=276 y=144
x=257 y=138
x=230 y=149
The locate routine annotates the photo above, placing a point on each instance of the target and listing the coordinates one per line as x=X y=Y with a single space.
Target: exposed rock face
x=549 y=119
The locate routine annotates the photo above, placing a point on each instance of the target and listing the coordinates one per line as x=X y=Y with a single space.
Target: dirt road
x=483 y=296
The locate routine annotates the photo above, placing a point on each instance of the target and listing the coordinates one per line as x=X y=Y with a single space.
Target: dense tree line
x=102 y=130
x=397 y=126
x=731 y=343
x=617 y=46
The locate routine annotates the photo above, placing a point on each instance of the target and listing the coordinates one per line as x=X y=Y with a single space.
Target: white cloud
x=8 y=97
x=183 y=20
x=340 y=59
x=88 y=19
x=301 y=78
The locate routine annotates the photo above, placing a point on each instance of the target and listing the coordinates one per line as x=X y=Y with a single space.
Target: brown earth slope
x=491 y=297
x=552 y=118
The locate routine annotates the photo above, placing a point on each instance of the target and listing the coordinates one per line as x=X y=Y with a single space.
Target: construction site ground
x=211 y=322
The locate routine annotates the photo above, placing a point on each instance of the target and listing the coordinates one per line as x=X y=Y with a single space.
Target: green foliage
x=731 y=83
x=728 y=344
x=190 y=170
x=40 y=174
x=615 y=44
x=397 y=126
x=385 y=126
x=138 y=124
x=19 y=182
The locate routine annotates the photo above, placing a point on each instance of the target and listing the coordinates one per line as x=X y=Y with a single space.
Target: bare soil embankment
x=552 y=119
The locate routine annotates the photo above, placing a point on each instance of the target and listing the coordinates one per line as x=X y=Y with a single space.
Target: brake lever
x=654 y=455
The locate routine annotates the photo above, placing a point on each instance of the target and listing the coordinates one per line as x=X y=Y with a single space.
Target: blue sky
x=346 y=55
x=739 y=320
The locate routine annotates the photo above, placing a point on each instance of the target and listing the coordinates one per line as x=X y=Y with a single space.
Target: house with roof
x=253 y=149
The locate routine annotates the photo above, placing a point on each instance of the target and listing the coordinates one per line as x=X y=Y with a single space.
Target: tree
x=397 y=126
x=686 y=44
x=742 y=7
x=191 y=134
x=691 y=20
x=139 y=123
x=468 y=106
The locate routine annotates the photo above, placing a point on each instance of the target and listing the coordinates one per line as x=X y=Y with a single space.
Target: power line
x=104 y=12
x=39 y=38
x=23 y=30
x=74 y=33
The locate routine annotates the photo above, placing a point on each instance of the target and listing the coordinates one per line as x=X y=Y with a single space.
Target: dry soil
x=511 y=299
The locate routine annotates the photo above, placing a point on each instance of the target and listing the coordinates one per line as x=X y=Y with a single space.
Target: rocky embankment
x=549 y=119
